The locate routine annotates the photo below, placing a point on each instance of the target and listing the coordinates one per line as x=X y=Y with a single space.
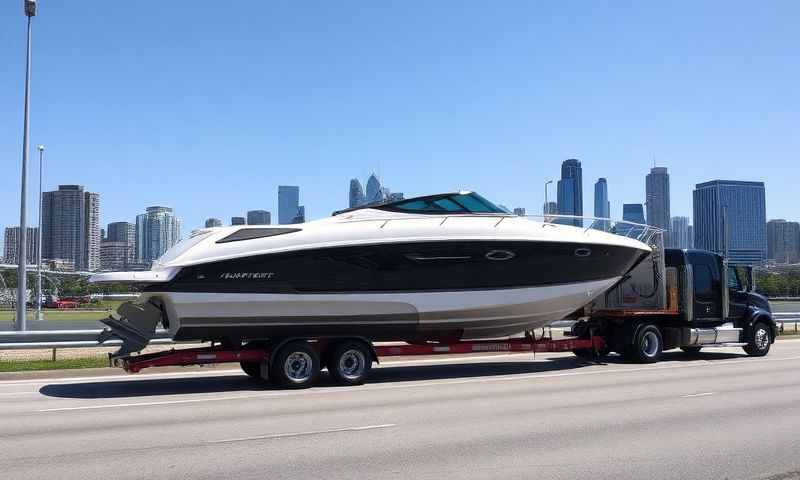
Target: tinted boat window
x=451 y=203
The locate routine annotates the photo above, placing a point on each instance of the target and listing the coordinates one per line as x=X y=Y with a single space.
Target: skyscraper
x=11 y=245
x=301 y=215
x=657 y=201
x=570 y=190
x=213 y=222
x=288 y=204
x=679 y=233
x=356 y=195
x=157 y=230
x=121 y=232
x=71 y=226
x=783 y=241
x=602 y=207
x=238 y=221
x=375 y=192
x=395 y=197
x=114 y=256
x=259 y=217
x=519 y=211
x=730 y=217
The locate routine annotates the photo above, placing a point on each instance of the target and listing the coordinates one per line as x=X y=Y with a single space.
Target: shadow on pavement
x=143 y=387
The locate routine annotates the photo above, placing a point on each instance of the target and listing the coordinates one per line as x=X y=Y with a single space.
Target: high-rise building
x=375 y=192
x=213 y=222
x=395 y=197
x=11 y=245
x=570 y=190
x=114 y=256
x=238 y=221
x=691 y=236
x=602 y=207
x=259 y=217
x=679 y=233
x=301 y=215
x=792 y=242
x=783 y=241
x=71 y=226
x=657 y=200
x=288 y=204
x=356 y=194
x=157 y=230
x=519 y=211
x=730 y=218
x=121 y=232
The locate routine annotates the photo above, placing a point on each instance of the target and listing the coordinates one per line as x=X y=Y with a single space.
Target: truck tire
x=252 y=369
x=761 y=340
x=295 y=365
x=647 y=345
x=691 y=349
x=350 y=362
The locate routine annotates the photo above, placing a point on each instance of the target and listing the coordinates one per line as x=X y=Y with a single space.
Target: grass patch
x=29 y=365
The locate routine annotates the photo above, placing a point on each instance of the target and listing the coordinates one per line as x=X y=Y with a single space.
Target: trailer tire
x=350 y=362
x=760 y=340
x=691 y=349
x=647 y=345
x=295 y=365
x=252 y=369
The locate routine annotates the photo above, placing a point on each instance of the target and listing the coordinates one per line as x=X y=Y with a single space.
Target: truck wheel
x=691 y=350
x=761 y=341
x=647 y=345
x=296 y=365
x=349 y=363
x=252 y=369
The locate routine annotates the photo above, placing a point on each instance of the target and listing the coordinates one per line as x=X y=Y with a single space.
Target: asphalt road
x=722 y=415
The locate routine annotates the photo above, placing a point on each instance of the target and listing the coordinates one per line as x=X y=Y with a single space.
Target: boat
x=444 y=267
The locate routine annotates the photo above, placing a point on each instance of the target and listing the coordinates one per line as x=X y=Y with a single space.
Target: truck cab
x=708 y=304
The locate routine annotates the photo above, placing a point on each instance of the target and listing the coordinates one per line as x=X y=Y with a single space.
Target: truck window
x=733 y=279
x=703 y=282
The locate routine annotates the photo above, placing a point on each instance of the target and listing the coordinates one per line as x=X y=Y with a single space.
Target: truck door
x=707 y=289
x=737 y=293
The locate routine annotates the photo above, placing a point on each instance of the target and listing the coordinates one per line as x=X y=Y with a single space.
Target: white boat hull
x=382 y=316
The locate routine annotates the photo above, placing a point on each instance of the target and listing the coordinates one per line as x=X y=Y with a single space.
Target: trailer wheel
x=647 y=345
x=350 y=362
x=296 y=365
x=590 y=355
x=691 y=349
x=252 y=369
x=760 y=341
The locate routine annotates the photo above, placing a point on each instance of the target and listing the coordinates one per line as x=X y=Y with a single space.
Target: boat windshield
x=451 y=203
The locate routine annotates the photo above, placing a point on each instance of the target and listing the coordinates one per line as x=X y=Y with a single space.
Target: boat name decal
x=246 y=275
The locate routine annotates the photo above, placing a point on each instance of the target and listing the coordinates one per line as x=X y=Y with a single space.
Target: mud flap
x=134 y=324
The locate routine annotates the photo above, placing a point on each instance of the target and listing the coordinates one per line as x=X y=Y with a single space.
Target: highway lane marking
x=379 y=387
x=303 y=434
x=692 y=395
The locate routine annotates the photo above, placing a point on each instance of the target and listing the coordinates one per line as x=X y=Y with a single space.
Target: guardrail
x=68 y=339
x=784 y=319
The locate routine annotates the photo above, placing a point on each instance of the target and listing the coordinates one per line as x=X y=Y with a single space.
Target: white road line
x=303 y=434
x=427 y=383
x=692 y=395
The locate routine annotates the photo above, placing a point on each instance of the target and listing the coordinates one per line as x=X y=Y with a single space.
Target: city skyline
x=516 y=116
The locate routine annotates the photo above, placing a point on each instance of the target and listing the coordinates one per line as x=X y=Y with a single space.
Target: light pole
x=22 y=252
x=546 y=202
x=39 y=316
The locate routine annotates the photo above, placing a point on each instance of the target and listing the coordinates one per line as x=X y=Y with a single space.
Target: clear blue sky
x=206 y=108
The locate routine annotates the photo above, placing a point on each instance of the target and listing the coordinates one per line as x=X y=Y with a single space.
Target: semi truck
x=687 y=299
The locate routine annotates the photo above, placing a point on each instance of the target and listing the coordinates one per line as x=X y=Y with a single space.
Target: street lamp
x=22 y=252
x=39 y=316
